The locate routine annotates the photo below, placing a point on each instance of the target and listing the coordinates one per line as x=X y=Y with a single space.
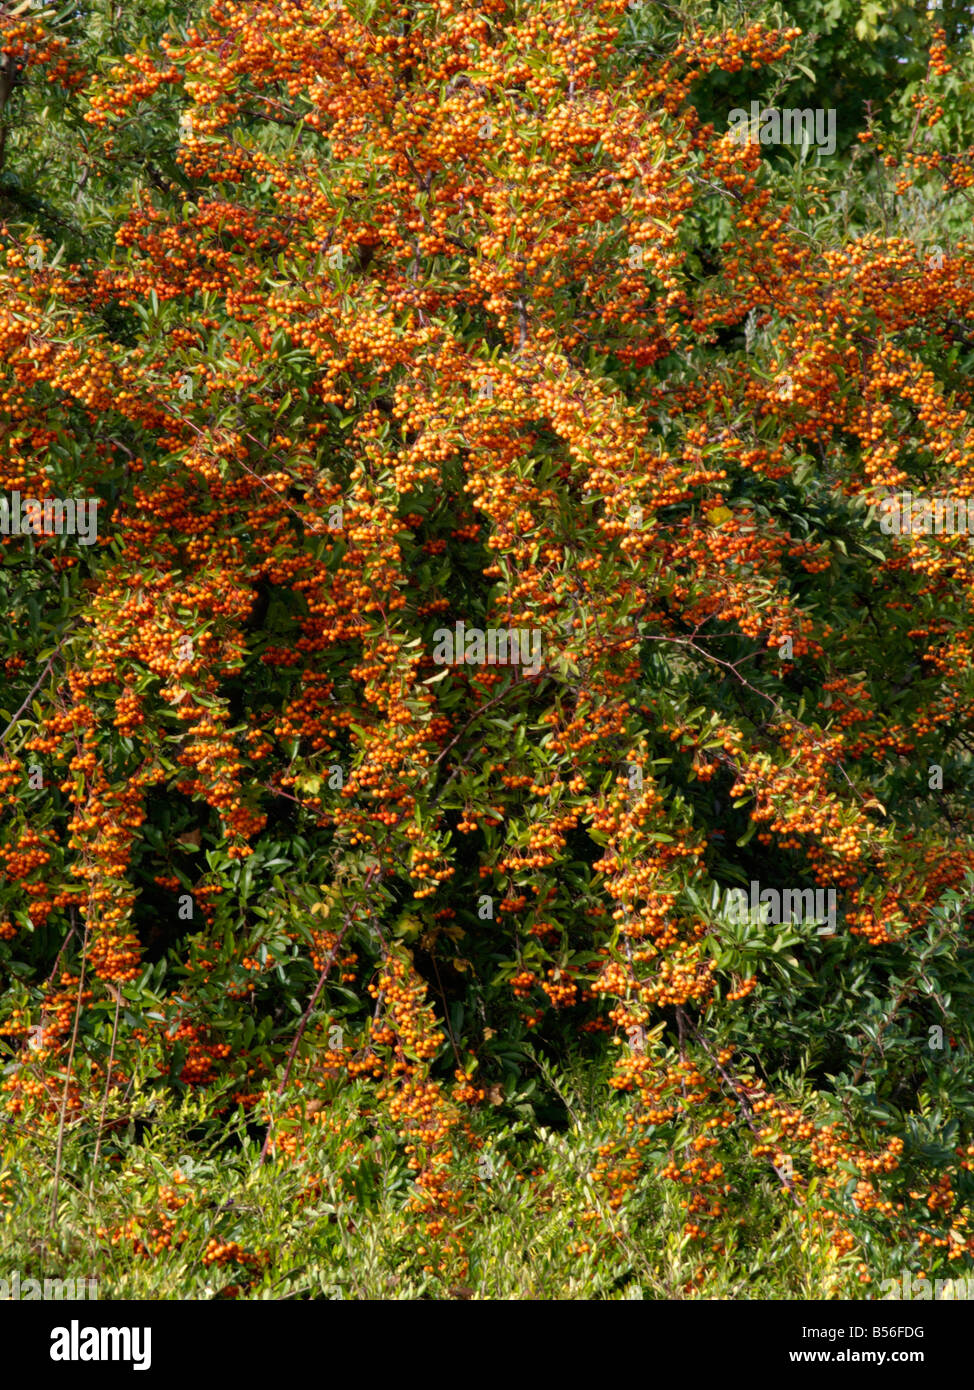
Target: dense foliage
x=362 y=321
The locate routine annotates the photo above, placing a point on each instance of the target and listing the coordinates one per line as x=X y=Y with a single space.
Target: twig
x=108 y=1082
x=304 y=1020
x=743 y=1102
x=40 y=679
x=67 y=1082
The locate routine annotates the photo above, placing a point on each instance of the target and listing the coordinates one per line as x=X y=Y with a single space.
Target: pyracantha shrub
x=442 y=560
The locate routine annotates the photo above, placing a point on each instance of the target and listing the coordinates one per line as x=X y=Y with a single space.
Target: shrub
x=455 y=334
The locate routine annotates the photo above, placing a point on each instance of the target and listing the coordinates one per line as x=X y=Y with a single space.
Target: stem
x=746 y=1110
x=304 y=1021
x=67 y=1083
x=108 y=1082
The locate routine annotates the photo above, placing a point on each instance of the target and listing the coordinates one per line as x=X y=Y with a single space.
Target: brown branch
x=742 y=1100
x=67 y=1083
x=305 y=1017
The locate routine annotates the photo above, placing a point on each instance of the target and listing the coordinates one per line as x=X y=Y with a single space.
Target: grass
x=335 y=1223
